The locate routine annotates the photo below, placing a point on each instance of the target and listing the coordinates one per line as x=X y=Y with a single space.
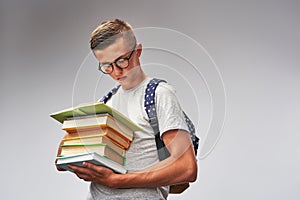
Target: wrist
x=115 y=181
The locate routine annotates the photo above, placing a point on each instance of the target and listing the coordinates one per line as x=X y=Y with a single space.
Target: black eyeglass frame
x=116 y=63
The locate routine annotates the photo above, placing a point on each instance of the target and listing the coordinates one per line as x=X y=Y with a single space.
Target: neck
x=140 y=78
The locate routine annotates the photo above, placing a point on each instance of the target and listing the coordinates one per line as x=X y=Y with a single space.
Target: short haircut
x=107 y=33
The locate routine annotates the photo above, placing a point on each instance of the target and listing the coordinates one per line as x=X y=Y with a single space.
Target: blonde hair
x=107 y=33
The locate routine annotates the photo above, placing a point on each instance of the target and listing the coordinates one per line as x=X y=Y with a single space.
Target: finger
x=80 y=170
x=84 y=177
x=57 y=167
x=97 y=168
x=60 y=169
x=75 y=168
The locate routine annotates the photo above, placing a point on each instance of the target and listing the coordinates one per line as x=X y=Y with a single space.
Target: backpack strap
x=113 y=91
x=150 y=108
x=192 y=131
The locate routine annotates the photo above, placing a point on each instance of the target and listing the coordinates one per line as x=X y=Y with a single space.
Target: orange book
x=99 y=132
x=91 y=122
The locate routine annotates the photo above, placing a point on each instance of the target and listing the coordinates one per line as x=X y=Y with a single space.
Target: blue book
x=93 y=158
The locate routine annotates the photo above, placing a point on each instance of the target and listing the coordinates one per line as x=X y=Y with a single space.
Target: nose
x=117 y=70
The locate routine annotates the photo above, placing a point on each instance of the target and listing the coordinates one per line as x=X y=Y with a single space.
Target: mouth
x=120 y=79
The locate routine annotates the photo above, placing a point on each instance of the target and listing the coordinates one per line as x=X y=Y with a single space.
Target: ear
x=139 y=49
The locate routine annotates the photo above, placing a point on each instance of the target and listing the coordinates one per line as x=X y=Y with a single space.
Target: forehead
x=113 y=51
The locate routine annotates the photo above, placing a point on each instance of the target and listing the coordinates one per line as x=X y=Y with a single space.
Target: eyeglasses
x=122 y=63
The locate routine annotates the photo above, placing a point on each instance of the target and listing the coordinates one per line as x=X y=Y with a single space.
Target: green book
x=94 y=109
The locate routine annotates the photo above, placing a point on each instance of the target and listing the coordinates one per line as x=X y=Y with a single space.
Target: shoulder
x=166 y=94
x=165 y=88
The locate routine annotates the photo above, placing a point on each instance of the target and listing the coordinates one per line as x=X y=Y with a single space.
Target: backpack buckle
x=154 y=124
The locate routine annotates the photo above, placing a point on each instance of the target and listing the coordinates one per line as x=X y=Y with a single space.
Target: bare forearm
x=168 y=172
x=180 y=167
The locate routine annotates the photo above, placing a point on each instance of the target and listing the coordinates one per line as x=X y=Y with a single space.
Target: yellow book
x=100 y=149
x=93 y=139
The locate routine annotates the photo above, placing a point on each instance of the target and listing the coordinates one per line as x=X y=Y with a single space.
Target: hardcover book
x=93 y=139
x=101 y=149
x=83 y=135
x=93 y=109
x=91 y=122
x=92 y=158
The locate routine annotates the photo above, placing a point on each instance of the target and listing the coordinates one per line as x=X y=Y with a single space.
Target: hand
x=59 y=168
x=94 y=173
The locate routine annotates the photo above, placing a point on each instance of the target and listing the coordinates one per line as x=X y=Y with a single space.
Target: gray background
x=254 y=43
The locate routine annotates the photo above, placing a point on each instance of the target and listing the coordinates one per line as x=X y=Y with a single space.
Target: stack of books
x=95 y=133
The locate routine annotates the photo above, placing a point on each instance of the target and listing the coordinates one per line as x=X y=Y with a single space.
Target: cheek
x=133 y=71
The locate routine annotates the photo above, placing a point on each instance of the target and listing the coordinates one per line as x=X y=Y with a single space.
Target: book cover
x=93 y=109
x=95 y=122
x=94 y=139
x=92 y=158
x=100 y=149
x=106 y=132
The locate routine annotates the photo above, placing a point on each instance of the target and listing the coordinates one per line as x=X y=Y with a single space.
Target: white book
x=93 y=158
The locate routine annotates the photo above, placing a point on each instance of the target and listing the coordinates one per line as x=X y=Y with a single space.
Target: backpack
x=149 y=105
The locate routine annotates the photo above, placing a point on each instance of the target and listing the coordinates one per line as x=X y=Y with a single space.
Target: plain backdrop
x=46 y=66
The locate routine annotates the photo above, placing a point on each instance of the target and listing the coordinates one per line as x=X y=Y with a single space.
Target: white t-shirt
x=142 y=152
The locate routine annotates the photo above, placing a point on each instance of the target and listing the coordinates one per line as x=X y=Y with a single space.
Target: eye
x=122 y=62
x=106 y=67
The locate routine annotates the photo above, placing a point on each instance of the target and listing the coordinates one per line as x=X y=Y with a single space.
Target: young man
x=115 y=47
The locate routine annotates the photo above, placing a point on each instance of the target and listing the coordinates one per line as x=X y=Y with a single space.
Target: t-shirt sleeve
x=169 y=112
